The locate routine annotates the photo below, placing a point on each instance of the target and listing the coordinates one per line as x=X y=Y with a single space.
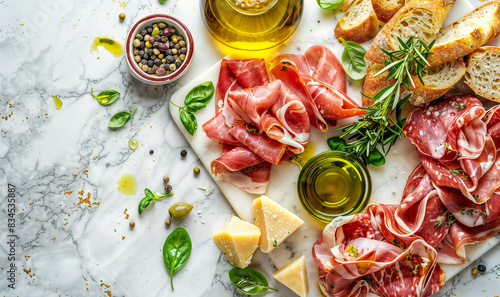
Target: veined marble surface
x=71 y=224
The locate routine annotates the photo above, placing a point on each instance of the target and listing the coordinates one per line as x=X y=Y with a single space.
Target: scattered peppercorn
x=168 y=188
x=132 y=224
x=121 y=16
x=166 y=179
x=474 y=271
x=196 y=170
x=167 y=222
x=184 y=153
x=151 y=152
x=481 y=268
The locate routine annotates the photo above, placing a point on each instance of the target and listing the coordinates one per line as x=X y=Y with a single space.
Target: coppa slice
x=276 y=223
x=238 y=240
x=294 y=276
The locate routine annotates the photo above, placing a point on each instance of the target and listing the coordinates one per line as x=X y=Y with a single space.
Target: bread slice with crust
x=345 y=5
x=438 y=80
x=386 y=9
x=359 y=23
x=483 y=72
x=422 y=18
x=373 y=84
x=467 y=34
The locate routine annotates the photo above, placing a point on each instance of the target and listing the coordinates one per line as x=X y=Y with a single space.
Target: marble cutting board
x=387 y=181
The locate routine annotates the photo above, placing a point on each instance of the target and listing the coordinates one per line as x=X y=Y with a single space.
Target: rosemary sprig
x=448 y=216
x=377 y=126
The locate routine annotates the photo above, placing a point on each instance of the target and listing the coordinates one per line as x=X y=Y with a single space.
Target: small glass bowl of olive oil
x=334 y=184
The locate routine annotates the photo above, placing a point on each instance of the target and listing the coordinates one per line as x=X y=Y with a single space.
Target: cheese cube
x=275 y=222
x=294 y=276
x=238 y=240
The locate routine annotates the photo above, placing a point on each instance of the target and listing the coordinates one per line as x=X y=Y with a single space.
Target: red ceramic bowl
x=181 y=30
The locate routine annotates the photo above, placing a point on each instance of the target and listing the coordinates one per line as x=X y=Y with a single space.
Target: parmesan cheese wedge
x=238 y=240
x=294 y=276
x=275 y=222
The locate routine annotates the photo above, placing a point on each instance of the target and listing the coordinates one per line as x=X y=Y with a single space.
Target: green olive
x=180 y=210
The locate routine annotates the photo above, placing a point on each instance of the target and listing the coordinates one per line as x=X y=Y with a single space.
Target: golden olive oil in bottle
x=252 y=24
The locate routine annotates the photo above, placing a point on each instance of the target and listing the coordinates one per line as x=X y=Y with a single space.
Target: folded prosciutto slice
x=227 y=82
x=265 y=147
x=243 y=168
x=251 y=104
x=356 y=259
x=217 y=130
x=324 y=79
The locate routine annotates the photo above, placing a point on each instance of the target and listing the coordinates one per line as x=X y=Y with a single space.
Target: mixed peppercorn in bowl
x=159 y=49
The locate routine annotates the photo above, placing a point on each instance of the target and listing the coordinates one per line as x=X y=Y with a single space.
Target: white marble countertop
x=72 y=225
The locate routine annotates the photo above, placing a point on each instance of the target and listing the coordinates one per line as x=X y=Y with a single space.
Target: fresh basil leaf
x=176 y=251
x=120 y=118
x=106 y=97
x=144 y=204
x=353 y=59
x=249 y=281
x=188 y=120
x=337 y=144
x=199 y=96
x=151 y=197
x=148 y=193
x=329 y=4
x=375 y=157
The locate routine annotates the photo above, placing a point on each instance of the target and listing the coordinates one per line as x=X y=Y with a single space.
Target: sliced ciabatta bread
x=373 y=84
x=483 y=72
x=386 y=9
x=438 y=80
x=359 y=23
x=422 y=18
x=345 y=5
x=467 y=34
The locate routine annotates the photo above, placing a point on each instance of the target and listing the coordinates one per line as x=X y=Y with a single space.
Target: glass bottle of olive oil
x=252 y=24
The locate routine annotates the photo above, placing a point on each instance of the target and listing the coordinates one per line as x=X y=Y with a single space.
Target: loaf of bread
x=386 y=9
x=422 y=18
x=467 y=34
x=438 y=80
x=359 y=23
x=483 y=72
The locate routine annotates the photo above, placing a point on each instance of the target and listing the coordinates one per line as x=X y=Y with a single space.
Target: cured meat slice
x=227 y=82
x=356 y=260
x=435 y=128
x=275 y=130
x=324 y=66
x=421 y=209
x=243 y=168
x=462 y=235
x=468 y=212
x=250 y=73
x=292 y=114
x=287 y=71
x=252 y=103
x=267 y=148
x=217 y=130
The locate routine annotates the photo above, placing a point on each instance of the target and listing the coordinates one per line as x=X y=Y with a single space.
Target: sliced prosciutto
x=250 y=73
x=227 y=82
x=217 y=130
x=243 y=168
x=356 y=259
x=251 y=104
x=323 y=79
x=267 y=148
